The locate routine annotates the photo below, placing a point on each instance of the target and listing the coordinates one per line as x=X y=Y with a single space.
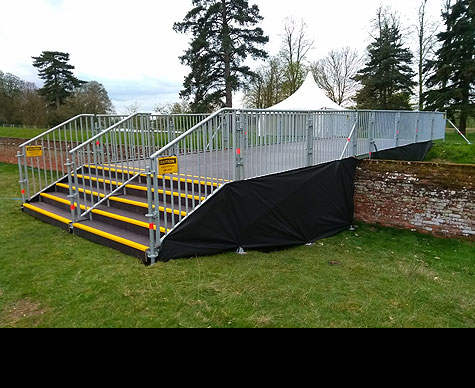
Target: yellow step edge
x=126 y=219
x=47 y=214
x=141 y=188
x=120 y=171
x=137 y=169
x=104 y=213
x=123 y=200
x=111 y=237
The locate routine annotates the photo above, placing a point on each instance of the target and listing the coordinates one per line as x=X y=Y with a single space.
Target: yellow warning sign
x=34 y=151
x=168 y=165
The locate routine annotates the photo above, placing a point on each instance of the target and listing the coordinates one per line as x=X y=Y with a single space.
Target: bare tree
x=132 y=108
x=266 y=90
x=335 y=74
x=295 y=47
x=427 y=39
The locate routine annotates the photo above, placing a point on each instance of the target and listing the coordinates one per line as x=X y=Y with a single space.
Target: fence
x=100 y=154
x=101 y=166
x=241 y=144
x=42 y=160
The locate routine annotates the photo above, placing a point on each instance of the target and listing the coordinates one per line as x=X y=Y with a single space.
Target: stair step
x=113 y=237
x=121 y=218
x=200 y=185
x=103 y=233
x=139 y=190
x=49 y=213
x=130 y=203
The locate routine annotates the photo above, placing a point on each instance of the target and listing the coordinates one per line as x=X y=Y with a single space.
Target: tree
x=224 y=35
x=335 y=74
x=295 y=47
x=426 y=34
x=452 y=83
x=132 y=108
x=387 y=78
x=92 y=97
x=173 y=108
x=267 y=89
x=56 y=72
x=11 y=88
x=32 y=108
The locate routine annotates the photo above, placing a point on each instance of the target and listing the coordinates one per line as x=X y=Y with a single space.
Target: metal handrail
x=53 y=129
x=105 y=132
x=187 y=133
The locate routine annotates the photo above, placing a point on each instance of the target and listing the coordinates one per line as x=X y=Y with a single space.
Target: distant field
x=20 y=133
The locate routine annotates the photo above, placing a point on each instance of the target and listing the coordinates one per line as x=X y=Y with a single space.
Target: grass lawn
x=374 y=277
x=20 y=133
x=454 y=149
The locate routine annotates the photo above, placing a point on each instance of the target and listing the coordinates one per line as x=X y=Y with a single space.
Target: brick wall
x=425 y=197
x=9 y=149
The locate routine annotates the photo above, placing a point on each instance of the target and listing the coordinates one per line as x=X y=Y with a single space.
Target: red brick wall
x=424 y=197
x=9 y=149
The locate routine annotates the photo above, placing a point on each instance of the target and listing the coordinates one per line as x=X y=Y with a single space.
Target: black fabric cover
x=412 y=153
x=281 y=210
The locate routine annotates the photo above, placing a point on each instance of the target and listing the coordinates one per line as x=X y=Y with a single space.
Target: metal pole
x=310 y=141
x=432 y=127
x=398 y=120
x=22 y=182
x=372 y=141
x=72 y=195
x=239 y=147
x=459 y=132
x=416 y=134
x=355 y=135
x=152 y=217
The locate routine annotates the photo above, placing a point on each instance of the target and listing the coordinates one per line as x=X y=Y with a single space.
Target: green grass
x=375 y=277
x=20 y=133
x=454 y=149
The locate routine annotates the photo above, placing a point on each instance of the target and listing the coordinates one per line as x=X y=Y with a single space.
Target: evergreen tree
x=452 y=83
x=224 y=35
x=56 y=72
x=387 y=78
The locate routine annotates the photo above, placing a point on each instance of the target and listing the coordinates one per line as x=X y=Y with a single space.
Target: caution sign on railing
x=34 y=151
x=168 y=165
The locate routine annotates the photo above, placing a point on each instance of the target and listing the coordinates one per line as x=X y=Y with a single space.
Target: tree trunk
x=465 y=105
x=227 y=57
x=421 y=59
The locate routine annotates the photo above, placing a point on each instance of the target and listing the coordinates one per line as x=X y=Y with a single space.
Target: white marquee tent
x=308 y=97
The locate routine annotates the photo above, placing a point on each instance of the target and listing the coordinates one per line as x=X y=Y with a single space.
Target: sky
x=130 y=47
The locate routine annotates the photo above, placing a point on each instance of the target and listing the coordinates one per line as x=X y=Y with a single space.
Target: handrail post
x=355 y=134
x=372 y=141
x=310 y=140
x=396 y=134
x=239 y=146
x=21 y=181
x=152 y=216
x=432 y=127
x=416 y=134
x=72 y=194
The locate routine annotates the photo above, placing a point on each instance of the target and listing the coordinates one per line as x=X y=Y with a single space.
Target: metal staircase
x=121 y=222
x=99 y=176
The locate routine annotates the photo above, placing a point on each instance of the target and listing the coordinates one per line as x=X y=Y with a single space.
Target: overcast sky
x=130 y=47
